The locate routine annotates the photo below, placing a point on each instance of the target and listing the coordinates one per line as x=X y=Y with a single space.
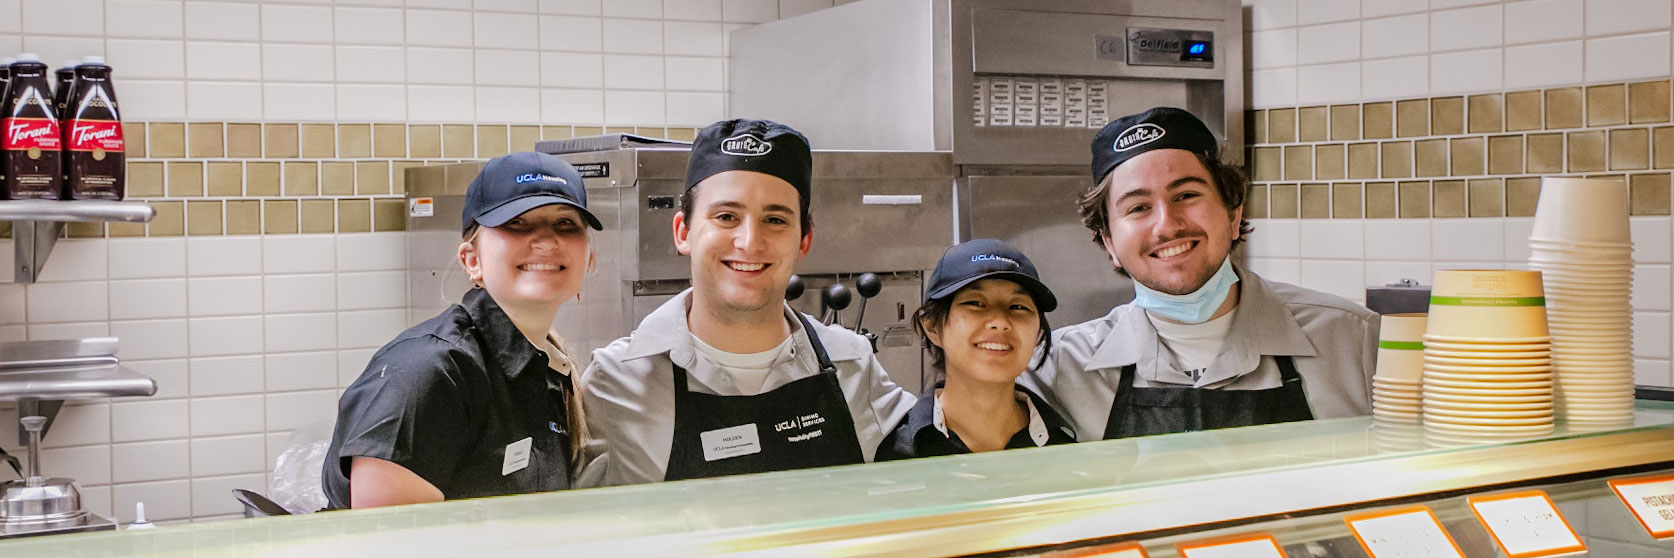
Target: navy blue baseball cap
x=1159 y=128
x=512 y=184
x=986 y=258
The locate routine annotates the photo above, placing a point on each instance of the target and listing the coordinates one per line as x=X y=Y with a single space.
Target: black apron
x=1166 y=410
x=802 y=424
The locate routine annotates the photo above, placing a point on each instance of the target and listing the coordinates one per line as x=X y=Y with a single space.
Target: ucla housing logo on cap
x=745 y=145
x=1138 y=135
x=994 y=258
x=538 y=177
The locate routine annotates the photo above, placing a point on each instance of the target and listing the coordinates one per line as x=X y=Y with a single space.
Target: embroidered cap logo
x=538 y=177
x=1138 y=135
x=745 y=145
x=994 y=258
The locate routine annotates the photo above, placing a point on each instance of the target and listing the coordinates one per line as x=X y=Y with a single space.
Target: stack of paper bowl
x=1581 y=245
x=1487 y=361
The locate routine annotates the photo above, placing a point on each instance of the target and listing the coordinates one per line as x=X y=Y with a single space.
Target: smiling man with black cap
x=478 y=401
x=1206 y=343
x=725 y=378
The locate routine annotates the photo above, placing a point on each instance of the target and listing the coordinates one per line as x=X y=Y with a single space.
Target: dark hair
x=1229 y=183
x=936 y=310
x=689 y=198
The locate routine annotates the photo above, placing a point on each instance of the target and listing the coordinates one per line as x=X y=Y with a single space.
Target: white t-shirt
x=1194 y=346
x=748 y=371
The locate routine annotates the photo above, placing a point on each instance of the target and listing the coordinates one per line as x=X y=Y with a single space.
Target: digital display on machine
x=1164 y=47
x=1197 y=51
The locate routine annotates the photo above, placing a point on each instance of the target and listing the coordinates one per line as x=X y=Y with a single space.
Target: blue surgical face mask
x=1193 y=308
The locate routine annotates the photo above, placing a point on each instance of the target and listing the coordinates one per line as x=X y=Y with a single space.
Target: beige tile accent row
x=1460 y=156
x=236 y=140
x=238 y=178
x=1427 y=199
x=250 y=216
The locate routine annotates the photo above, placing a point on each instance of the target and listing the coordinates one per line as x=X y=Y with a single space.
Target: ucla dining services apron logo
x=800 y=426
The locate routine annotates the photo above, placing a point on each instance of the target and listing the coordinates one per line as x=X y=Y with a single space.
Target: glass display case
x=1295 y=482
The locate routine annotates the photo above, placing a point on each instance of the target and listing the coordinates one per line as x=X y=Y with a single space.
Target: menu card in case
x=1118 y=550
x=1526 y=524
x=1246 y=546
x=1406 y=532
x=1651 y=499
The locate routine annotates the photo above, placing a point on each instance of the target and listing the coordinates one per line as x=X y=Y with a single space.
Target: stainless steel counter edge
x=1051 y=520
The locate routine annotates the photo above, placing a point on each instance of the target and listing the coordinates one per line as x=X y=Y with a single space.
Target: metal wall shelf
x=37 y=224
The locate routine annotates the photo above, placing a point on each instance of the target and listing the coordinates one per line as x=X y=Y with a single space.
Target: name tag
x=517 y=456
x=731 y=442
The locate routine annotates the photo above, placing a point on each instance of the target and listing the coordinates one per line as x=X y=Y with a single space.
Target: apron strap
x=1292 y=384
x=819 y=349
x=1124 y=399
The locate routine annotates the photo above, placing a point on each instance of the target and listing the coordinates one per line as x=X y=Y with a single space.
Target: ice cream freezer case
x=1280 y=490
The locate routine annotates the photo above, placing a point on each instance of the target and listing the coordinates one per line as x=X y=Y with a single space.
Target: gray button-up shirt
x=1332 y=341
x=628 y=391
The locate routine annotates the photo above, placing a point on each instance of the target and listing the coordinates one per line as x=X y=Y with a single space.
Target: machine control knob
x=793 y=290
x=868 y=285
x=837 y=296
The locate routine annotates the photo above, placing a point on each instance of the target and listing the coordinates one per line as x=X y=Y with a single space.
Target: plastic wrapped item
x=296 y=475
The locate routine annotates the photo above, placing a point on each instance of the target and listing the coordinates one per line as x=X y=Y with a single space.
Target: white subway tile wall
x=284 y=61
x=1394 y=49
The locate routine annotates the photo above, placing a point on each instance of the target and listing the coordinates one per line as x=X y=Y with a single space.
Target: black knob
x=793 y=290
x=868 y=285
x=837 y=296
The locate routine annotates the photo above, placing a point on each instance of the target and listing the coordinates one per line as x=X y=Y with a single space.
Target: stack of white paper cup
x=1396 y=397
x=1397 y=400
x=1487 y=363
x=1580 y=243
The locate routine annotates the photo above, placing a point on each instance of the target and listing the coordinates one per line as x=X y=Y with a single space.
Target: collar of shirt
x=504 y=346
x=665 y=331
x=557 y=356
x=1037 y=426
x=1261 y=326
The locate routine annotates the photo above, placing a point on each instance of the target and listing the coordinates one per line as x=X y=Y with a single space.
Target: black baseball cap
x=512 y=184
x=762 y=146
x=1159 y=128
x=985 y=258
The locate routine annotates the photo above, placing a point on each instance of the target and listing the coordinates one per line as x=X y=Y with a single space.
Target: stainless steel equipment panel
x=1044 y=224
x=903 y=74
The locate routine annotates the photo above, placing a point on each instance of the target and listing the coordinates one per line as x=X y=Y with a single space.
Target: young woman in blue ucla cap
x=1206 y=343
x=478 y=401
x=983 y=318
x=725 y=378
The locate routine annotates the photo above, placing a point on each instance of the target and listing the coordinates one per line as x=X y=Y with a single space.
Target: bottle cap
x=28 y=57
x=93 y=60
x=7 y=61
x=71 y=63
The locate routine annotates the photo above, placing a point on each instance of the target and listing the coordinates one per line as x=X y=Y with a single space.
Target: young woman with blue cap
x=478 y=401
x=983 y=319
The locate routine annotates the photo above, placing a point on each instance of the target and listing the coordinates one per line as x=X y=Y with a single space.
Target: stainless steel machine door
x=1037 y=214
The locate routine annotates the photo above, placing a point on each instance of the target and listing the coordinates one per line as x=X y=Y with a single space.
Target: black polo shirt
x=447 y=399
x=917 y=435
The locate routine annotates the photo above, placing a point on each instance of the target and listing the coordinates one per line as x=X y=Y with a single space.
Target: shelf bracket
x=32 y=243
x=37 y=225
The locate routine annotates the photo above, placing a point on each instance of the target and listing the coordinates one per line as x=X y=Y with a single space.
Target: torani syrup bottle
x=94 y=143
x=29 y=134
